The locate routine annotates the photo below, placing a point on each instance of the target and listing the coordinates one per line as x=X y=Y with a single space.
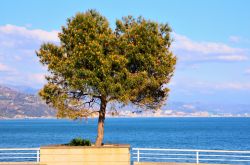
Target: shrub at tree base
x=79 y=142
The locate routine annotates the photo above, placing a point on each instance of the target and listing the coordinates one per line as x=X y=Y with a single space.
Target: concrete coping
x=61 y=146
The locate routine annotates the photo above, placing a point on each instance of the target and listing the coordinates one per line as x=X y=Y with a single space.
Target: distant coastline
x=20 y=105
x=54 y=118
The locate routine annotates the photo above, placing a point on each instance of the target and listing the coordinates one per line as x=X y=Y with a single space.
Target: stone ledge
x=68 y=147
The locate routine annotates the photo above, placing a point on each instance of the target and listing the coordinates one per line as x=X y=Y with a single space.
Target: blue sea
x=184 y=133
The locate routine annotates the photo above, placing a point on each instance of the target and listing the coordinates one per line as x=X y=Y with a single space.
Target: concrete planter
x=85 y=155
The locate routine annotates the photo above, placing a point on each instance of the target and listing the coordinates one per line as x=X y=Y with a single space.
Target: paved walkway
x=169 y=163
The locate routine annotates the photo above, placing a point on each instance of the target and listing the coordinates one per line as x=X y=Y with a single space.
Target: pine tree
x=94 y=65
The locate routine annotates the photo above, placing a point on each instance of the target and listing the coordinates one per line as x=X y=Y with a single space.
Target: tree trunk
x=100 y=129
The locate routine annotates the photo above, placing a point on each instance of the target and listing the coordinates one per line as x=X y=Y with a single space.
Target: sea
x=180 y=133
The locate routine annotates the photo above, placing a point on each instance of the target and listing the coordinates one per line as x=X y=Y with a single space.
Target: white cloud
x=18 y=45
x=235 y=39
x=233 y=86
x=35 y=80
x=188 y=106
x=17 y=58
x=183 y=42
x=17 y=49
x=38 y=78
x=239 y=39
x=5 y=68
x=188 y=50
x=39 y=34
x=233 y=57
x=211 y=86
x=247 y=71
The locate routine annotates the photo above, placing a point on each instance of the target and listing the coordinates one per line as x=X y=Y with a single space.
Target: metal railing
x=190 y=156
x=19 y=155
x=144 y=155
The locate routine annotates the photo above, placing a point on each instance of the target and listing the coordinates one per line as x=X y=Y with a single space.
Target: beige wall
x=66 y=155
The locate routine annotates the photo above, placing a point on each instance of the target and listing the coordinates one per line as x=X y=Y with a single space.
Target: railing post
x=138 y=155
x=37 y=156
x=197 y=157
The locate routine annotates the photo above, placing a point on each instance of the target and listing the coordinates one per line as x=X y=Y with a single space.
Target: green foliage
x=131 y=64
x=79 y=142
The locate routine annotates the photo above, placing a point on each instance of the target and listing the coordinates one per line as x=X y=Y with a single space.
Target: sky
x=211 y=39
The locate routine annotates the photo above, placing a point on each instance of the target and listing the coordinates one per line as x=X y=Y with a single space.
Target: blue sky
x=211 y=41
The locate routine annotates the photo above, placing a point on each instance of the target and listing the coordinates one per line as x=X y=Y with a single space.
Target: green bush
x=79 y=142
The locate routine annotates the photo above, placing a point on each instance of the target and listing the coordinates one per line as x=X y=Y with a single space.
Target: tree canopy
x=95 y=64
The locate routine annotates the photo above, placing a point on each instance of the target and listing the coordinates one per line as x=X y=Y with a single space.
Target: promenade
x=135 y=163
x=170 y=163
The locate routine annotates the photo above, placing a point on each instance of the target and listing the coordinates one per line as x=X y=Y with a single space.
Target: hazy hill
x=15 y=104
x=22 y=102
x=217 y=109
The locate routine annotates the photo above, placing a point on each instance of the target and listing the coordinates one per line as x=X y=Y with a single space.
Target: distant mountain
x=23 y=102
x=22 y=88
x=186 y=109
x=211 y=109
x=15 y=104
